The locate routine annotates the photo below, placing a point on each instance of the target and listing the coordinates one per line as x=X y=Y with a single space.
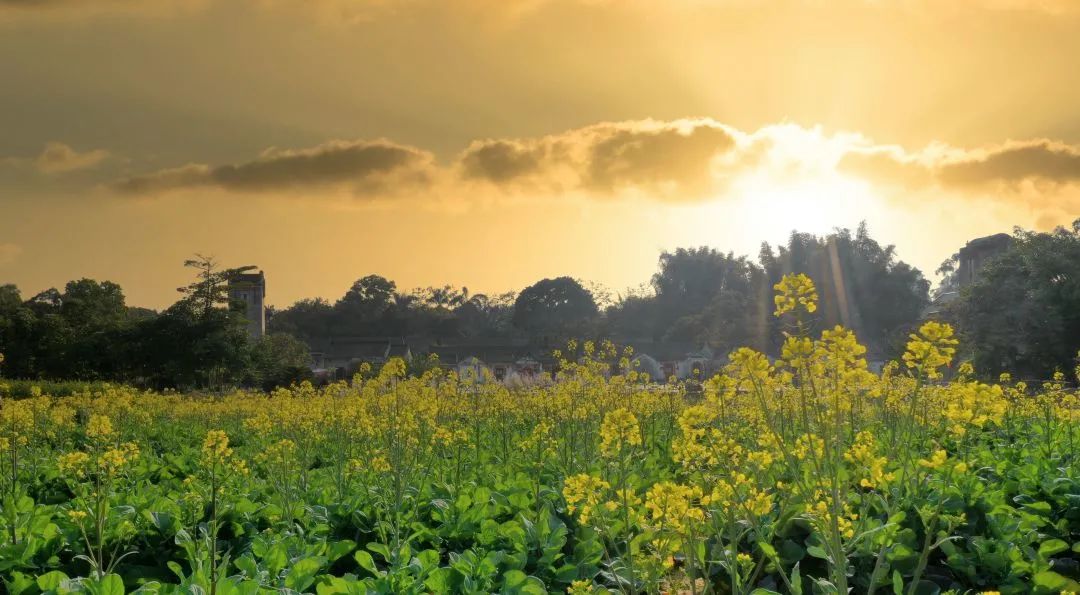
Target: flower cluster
x=795 y=292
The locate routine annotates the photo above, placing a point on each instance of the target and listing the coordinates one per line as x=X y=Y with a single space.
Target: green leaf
x=302 y=574
x=429 y=559
x=176 y=568
x=338 y=549
x=18 y=583
x=380 y=548
x=1051 y=582
x=366 y=562
x=817 y=551
x=1052 y=547
x=796 y=580
x=760 y=591
x=443 y=580
x=767 y=549
x=110 y=584
x=897 y=583
x=51 y=581
x=515 y=578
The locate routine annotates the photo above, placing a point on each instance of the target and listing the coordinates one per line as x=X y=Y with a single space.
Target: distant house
x=664 y=360
x=345 y=354
x=505 y=360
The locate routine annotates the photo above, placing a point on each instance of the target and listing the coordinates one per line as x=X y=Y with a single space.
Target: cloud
x=59 y=157
x=364 y=167
x=1015 y=162
x=678 y=158
x=9 y=253
x=1001 y=166
x=82 y=8
x=685 y=160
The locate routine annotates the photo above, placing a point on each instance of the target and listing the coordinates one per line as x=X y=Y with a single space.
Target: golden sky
x=490 y=143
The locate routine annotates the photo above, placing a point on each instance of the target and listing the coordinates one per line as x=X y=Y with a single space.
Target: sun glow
x=771 y=208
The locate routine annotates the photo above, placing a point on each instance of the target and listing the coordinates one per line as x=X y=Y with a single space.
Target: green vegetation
x=809 y=474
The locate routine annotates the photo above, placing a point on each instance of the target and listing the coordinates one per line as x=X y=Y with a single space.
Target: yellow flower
x=936 y=460
x=582 y=587
x=379 y=464
x=862 y=454
x=619 y=430
x=216 y=451
x=114 y=460
x=76 y=516
x=583 y=492
x=932 y=348
x=673 y=506
x=99 y=427
x=73 y=464
x=794 y=292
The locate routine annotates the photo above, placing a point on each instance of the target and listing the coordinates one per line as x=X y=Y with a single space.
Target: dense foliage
x=697 y=296
x=809 y=474
x=1022 y=313
x=88 y=333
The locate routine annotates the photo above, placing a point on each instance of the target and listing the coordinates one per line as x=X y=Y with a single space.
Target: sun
x=770 y=207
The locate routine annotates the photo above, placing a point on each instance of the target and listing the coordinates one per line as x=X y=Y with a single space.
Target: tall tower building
x=250 y=289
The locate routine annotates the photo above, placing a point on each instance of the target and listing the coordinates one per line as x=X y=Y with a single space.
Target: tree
x=307 y=319
x=704 y=295
x=698 y=295
x=486 y=316
x=556 y=306
x=1022 y=313
x=88 y=305
x=861 y=286
x=368 y=308
x=185 y=347
x=211 y=286
x=278 y=360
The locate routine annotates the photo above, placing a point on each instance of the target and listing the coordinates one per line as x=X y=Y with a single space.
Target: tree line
x=88 y=332
x=1022 y=314
x=697 y=296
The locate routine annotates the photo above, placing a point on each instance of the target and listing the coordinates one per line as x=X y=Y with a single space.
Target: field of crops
x=808 y=474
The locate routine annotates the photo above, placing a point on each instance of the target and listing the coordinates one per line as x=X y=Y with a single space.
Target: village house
x=342 y=356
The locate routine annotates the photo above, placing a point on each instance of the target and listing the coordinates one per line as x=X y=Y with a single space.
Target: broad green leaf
x=51 y=581
x=366 y=562
x=1052 y=547
x=380 y=548
x=18 y=583
x=339 y=549
x=302 y=574
x=110 y=584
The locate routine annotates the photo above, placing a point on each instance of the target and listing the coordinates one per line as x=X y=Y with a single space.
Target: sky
x=492 y=143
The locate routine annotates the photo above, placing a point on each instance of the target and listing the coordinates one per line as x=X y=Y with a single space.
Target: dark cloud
x=677 y=158
x=1010 y=163
x=365 y=167
x=501 y=161
x=1039 y=160
x=655 y=157
x=681 y=160
x=888 y=166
